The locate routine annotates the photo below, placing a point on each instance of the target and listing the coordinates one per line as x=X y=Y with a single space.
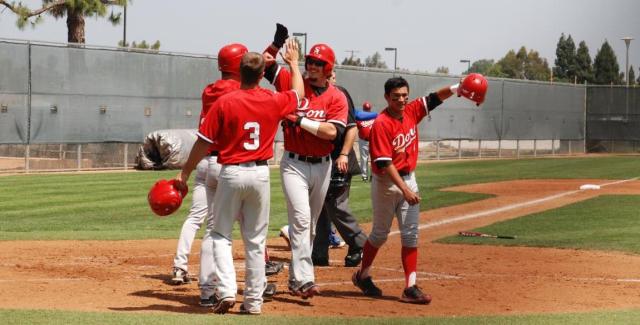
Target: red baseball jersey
x=244 y=123
x=210 y=94
x=397 y=140
x=330 y=106
x=364 y=129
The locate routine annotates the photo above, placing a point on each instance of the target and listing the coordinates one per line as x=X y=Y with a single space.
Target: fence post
x=27 y=155
x=518 y=149
x=126 y=155
x=79 y=157
x=569 y=147
x=479 y=148
x=437 y=149
x=535 y=147
x=553 y=147
x=499 y=148
x=460 y=149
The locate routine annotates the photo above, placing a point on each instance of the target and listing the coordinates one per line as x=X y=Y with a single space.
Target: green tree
x=442 y=70
x=565 y=63
x=481 y=66
x=638 y=80
x=375 y=61
x=142 y=45
x=521 y=65
x=632 y=76
x=74 y=10
x=605 y=66
x=584 y=70
x=352 y=61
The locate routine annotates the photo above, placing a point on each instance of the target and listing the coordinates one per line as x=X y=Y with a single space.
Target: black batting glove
x=281 y=35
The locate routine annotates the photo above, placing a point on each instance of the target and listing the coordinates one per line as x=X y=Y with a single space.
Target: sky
x=427 y=34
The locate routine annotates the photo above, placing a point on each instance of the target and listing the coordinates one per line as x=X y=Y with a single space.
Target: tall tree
x=74 y=10
x=352 y=61
x=481 y=66
x=565 y=63
x=142 y=45
x=536 y=67
x=638 y=80
x=521 y=65
x=605 y=66
x=632 y=76
x=442 y=70
x=584 y=71
x=375 y=61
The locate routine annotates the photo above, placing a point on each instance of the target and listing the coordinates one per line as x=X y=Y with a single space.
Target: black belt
x=403 y=174
x=214 y=154
x=258 y=163
x=309 y=159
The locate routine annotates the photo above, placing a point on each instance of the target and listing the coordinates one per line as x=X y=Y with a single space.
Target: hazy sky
x=427 y=34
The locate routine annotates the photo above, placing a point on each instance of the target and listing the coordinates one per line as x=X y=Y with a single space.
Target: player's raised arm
x=291 y=56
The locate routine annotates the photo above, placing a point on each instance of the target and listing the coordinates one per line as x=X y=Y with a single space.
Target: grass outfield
x=112 y=206
x=10 y=317
x=608 y=222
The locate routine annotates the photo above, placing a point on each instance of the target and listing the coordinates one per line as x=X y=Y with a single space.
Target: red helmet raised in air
x=366 y=106
x=229 y=58
x=474 y=86
x=164 y=198
x=324 y=53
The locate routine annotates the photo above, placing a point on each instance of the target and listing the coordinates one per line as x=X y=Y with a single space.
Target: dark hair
x=251 y=68
x=393 y=83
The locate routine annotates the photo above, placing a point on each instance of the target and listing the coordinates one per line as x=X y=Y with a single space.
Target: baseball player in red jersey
x=206 y=180
x=244 y=124
x=394 y=191
x=363 y=142
x=305 y=167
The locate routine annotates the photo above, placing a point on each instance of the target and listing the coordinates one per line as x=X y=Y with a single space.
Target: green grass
x=112 y=206
x=608 y=222
x=11 y=317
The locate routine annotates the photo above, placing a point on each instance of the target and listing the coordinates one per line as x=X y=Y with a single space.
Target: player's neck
x=248 y=86
x=395 y=114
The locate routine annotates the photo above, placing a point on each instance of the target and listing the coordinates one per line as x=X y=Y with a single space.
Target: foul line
x=504 y=208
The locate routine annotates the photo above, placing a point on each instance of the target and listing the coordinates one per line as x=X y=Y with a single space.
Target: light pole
x=305 y=41
x=627 y=41
x=395 y=58
x=468 y=62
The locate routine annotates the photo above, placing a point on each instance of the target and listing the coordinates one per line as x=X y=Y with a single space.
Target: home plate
x=590 y=187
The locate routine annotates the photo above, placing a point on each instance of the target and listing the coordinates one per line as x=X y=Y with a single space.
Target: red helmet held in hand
x=324 y=53
x=474 y=86
x=366 y=106
x=229 y=58
x=165 y=198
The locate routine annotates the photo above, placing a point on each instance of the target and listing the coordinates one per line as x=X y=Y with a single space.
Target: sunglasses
x=315 y=62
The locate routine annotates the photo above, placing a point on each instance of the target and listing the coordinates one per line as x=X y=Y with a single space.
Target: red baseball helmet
x=325 y=54
x=474 y=86
x=164 y=198
x=229 y=57
x=366 y=106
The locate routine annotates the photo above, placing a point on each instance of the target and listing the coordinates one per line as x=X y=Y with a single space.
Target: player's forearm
x=327 y=131
x=391 y=170
x=349 y=139
x=297 y=83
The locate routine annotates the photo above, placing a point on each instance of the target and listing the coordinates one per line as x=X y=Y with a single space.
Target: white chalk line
x=504 y=208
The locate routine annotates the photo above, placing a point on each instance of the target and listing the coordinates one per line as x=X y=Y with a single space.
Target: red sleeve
x=209 y=127
x=380 y=144
x=287 y=102
x=364 y=129
x=338 y=111
x=417 y=108
x=282 y=80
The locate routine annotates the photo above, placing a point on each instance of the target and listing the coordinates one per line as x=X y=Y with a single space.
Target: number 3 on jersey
x=254 y=134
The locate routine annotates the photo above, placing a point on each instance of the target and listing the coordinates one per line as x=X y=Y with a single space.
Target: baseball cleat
x=207 y=302
x=222 y=306
x=366 y=285
x=334 y=241
x=179 y=276
x=306 y=291
x=273 y=268
x=245 y=311
x=269 y=291
x=353 y=258
x=414 y=295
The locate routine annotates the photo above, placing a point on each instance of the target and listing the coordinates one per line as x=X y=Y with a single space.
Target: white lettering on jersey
x=253 y=135
x=401 y=141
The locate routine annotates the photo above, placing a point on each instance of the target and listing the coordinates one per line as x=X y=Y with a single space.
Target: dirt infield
x=463 y=279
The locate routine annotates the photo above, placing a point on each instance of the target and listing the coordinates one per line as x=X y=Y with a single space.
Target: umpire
x=336 y=205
